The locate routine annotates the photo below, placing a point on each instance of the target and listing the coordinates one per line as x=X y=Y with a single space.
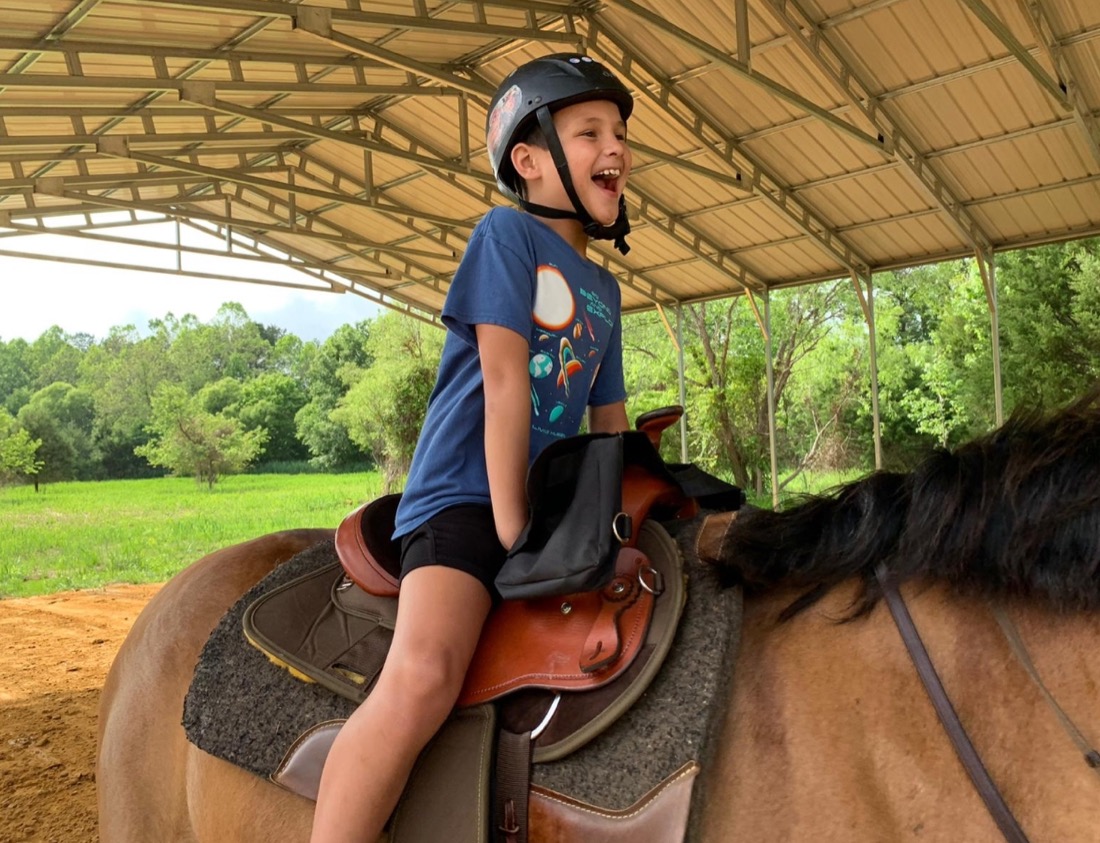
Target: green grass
x=807 y=483
x=84 y=535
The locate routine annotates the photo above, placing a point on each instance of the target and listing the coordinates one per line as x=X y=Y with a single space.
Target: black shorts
x=463 y=537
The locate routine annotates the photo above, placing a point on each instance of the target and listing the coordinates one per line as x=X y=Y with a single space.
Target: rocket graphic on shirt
x=566 y=346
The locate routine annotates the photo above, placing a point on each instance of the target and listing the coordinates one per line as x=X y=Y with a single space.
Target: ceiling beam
x=318 y=22
x=111 y=181
x=738 y=68
x=204 y=95
x=108 y=146
x=1001 y=31
x=717 y=140
x=82 y=233
x=164 y=84
x=58 y=31
x=358 y=246
x=816 y=45
x=419 y=21
x=1039 y=19
x=403 y=264
x=210 y=140
x=74 y=48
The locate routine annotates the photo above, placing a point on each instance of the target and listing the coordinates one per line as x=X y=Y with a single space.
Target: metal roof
x=776 y=142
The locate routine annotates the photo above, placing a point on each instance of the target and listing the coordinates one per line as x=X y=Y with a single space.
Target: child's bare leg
x=439 y=619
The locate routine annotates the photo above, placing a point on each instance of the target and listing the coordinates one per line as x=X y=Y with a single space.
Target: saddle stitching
x=690 y=768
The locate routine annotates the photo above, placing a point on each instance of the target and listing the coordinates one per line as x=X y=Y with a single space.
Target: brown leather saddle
x=532 y=658
x=578 y=642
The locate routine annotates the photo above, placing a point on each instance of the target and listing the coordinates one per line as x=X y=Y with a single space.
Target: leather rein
x=949 y=718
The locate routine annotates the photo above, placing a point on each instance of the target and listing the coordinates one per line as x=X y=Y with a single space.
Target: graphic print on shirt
x=566 y=344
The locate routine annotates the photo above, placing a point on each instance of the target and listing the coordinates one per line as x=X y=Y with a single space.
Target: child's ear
x=526 y=162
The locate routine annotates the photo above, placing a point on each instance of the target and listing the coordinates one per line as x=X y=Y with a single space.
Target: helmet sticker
x=501 y=117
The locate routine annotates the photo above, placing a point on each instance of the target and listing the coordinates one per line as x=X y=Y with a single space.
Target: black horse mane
x=1013 y=513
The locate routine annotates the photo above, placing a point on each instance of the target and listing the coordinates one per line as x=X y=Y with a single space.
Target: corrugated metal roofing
x=776 y=142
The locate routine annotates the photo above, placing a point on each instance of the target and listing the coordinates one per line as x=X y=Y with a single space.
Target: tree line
x=211 y=398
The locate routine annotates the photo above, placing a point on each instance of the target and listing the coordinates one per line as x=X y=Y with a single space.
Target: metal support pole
x=683 y=385
x=741 y=14
x=228 y=226
x=867 y=302
x=873 y=348
x=769 y=353
x=995 y=334
x=987 y=268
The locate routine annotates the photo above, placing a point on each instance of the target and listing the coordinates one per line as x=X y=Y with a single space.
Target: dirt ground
x=54 y=656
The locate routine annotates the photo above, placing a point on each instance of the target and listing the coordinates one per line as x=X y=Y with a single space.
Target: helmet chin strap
x=617 y=231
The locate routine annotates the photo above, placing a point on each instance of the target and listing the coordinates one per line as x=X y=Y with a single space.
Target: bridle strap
x=949 y=718
x=1012 y=635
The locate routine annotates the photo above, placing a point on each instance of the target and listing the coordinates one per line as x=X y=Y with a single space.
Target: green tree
x=17 y=450
x=186 y=439
x=326 y=373
x=62 y=417
x=220 y=396
x=271 y=402
x=1050 y=310
x=726 y=376
x=383 y=410
x=15 y=374
x=55 y=357
x=122 y=372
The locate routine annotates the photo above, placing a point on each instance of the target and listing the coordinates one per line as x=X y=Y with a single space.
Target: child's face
x=593 y=136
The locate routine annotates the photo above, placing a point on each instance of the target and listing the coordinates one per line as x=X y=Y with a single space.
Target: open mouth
x=608 y=179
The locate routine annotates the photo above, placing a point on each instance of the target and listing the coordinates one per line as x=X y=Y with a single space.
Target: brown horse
x=829 y=735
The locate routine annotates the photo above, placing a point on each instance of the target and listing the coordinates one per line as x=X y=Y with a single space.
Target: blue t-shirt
x=520 y=274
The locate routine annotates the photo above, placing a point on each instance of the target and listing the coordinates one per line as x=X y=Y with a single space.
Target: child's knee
x=430 y=679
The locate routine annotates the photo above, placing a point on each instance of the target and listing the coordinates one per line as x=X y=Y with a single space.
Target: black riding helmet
x=528 y=96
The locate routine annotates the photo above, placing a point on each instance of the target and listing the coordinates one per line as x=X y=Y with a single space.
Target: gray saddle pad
x=245 y=710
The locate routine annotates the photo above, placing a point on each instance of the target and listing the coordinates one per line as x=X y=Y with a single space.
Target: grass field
x=83 y=535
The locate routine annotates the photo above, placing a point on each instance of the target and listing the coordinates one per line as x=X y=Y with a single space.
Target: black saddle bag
x=574 y=490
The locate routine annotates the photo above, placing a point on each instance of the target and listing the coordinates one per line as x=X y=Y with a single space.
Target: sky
x=36 y=294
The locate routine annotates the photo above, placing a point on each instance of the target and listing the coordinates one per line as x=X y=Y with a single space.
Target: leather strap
x=1012 y=635
x=969 y=757
x=604 y=644
x=513 y=781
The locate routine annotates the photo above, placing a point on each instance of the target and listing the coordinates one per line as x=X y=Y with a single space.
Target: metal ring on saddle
x=624 y=535
x=658 y=587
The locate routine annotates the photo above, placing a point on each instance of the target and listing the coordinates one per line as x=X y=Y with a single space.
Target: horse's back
x=148 y=777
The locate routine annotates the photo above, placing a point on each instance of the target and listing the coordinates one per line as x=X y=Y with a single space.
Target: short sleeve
x=494 y=283
x=609 y=386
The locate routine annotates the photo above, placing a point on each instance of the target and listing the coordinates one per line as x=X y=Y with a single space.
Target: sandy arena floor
x=54 y=656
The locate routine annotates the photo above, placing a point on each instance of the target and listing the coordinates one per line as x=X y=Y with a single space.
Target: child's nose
x=616 y=145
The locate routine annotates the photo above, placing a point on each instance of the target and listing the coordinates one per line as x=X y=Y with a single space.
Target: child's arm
x=504 y=360
x=608 y=418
